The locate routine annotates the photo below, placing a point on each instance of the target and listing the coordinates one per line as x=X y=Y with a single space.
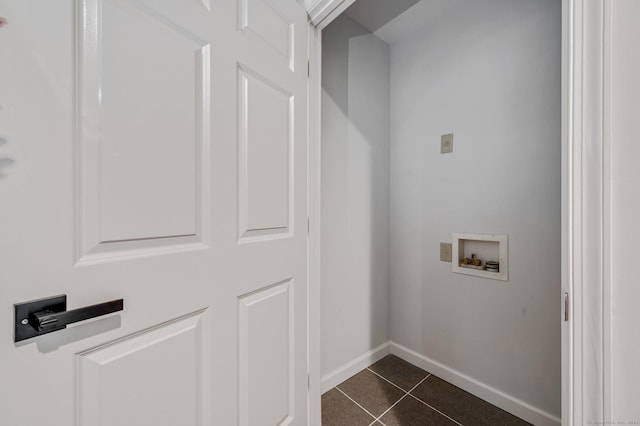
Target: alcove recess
x=486 y=247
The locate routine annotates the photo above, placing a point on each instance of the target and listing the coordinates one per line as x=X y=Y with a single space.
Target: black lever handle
x=43 y=316
x=46 y=319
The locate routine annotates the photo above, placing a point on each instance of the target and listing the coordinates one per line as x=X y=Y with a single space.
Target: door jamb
x=585 y=206
x=314 y=235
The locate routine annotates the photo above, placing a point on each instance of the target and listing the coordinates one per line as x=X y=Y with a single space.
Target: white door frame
x=585 y=207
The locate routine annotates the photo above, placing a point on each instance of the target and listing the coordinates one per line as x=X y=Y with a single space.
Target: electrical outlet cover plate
x=446 y=143
x=445 y=252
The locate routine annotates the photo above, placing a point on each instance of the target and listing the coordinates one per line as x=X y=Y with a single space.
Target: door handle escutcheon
x=42 y=316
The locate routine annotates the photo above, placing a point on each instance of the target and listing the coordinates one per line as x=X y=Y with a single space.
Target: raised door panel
x=268 y=21
x=143 y=113
x=266 y=343
x=266 y=155
x=153 y=378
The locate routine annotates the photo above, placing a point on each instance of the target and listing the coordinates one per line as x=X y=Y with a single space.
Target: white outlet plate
x=446 y=143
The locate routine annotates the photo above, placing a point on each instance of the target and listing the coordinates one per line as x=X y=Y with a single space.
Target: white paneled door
x=155 y=151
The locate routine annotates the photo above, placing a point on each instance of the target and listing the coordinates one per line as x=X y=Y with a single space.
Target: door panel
x=267 y=20
x=143 y=124
x=267 y=344
x=167 y=364
x=266 y=156
x=155 y=151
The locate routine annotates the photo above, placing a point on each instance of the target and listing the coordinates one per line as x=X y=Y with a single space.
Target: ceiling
x=393 y=20
x=374 y=14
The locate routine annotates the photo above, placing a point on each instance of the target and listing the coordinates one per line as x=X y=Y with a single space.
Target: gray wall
x=355 y=193
x=625 y=199
x=488 y=71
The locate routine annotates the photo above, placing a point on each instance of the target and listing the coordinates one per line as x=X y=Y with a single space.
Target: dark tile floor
x=394 y=392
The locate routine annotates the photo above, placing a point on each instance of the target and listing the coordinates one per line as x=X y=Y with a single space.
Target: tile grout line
x=403 y=396
x=389 y=409
x=435 y=409
x=421 y=401
x=406 y=393
x=352 y=400
x=419 y=383
x=384 y=378
x=376 y=421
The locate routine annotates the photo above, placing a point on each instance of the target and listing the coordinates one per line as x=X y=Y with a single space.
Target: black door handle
x=47 y=319
x=43 y=316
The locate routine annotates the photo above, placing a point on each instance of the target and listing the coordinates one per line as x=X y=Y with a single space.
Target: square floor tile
x=461 y=405
x=411 y=412
x=372 y=392
x=338 y=410
x=399 y=371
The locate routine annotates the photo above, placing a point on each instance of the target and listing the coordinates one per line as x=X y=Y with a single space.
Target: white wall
x=355 y=193
x=488 y=71
x=625 y=199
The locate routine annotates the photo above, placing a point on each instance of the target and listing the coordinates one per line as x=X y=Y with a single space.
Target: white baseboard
x=494 y=396
x=351 y=368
